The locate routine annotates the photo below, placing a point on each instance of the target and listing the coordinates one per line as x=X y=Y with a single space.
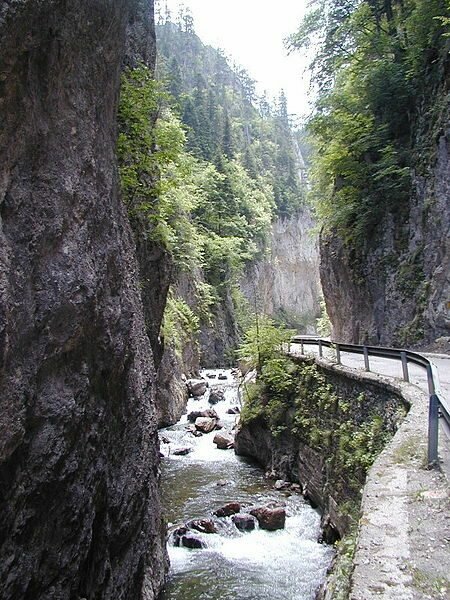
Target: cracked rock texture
x=285 y=282
x=79 y=507
x=398 y=292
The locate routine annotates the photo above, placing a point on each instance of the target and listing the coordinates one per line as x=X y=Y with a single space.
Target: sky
x=251 y=32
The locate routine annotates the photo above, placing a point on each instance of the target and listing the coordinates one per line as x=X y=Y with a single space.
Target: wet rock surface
x=228 y=509
x=184 y=537
x=224 y=441
x=205 y=424
x=79 y=508
x=209 y=412
x=216 y=395
x=181 y=451
x=244 y=522
x=270 y=518
x=203 y=525
x=196 y=387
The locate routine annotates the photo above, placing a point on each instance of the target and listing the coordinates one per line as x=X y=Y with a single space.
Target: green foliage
x=298 y=398
x=263 y=343
x=340 y=582
x=180 y=324
x=224 y=126
x=207 y=217
x=373 y=61
x=253 y=407
x=323 y=323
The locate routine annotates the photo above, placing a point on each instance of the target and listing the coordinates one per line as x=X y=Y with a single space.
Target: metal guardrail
x=438 y=405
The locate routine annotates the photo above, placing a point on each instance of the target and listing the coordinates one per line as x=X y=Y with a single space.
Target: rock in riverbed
x=216 y=396
x=270 y=518
x=223 y=441
x=209 y=412
x=228 y=509
x=202 y=525
x=196 y=387
x=244 y=522
x=182 y=536
x=182 y=451
x=205 y=424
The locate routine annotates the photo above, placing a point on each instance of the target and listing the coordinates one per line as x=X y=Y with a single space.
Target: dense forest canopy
x=376 y=66
x=207 y=162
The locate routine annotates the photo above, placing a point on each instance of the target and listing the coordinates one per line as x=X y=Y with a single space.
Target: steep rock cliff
x=219 y=337
x=286 y=281
x=313 y=440
x=79 y=508
x=397 y=292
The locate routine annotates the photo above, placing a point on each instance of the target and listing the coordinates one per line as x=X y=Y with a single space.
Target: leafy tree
x=372 y=61
x=264 y=342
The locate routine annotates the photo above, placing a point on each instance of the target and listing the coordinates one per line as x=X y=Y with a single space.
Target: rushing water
x=286 y=564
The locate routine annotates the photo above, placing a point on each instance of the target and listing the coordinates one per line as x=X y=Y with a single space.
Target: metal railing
x=438 y=405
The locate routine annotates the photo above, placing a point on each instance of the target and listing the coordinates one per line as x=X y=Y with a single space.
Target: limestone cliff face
x=398 y=294
x=286 y=282
x=219 y=338
x=79 y=508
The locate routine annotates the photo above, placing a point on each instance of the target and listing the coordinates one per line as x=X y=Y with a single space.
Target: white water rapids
x=288 y=564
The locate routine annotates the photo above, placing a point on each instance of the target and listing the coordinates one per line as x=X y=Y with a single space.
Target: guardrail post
x=405 y=366
x=338 y=354
x=433 y=430
x=301 y=347
x=320 y=349
x=431 y=389
x=366 y=358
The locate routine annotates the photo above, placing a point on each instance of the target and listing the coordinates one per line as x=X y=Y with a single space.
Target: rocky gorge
x=80 y=512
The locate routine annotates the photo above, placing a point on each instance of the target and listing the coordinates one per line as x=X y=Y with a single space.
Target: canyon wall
x=321 y=437
x=285 y=283
x=397 y=292
x=79 y=507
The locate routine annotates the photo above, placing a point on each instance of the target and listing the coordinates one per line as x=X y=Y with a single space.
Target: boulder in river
x=211 y=375
x=202 y=525
x=209 y=412
x=182 y=536
x=216 y=395
x=195 y=432
x=270 y=518
x=223 y=441
x=244 y=521
x=234 y=410
x=222 y=482
x=196 y=387
x=205 y=424
x=281 y=484
x=182 y=451
x=228 y=509
x=222 y=376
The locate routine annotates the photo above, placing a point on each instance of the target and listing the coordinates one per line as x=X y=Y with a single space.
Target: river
x=288 y=564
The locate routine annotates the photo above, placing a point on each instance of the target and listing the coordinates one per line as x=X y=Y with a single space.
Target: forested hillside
x=380 y=133
x=224 y=165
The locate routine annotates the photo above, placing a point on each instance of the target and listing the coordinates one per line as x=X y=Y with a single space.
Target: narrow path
x=403 y=548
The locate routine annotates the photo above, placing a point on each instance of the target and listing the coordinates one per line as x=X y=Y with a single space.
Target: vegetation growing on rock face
x=296 y=398
x=205 y=168
x=375 y=62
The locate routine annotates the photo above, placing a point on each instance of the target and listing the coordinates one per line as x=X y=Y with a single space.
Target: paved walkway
x=403 y=548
